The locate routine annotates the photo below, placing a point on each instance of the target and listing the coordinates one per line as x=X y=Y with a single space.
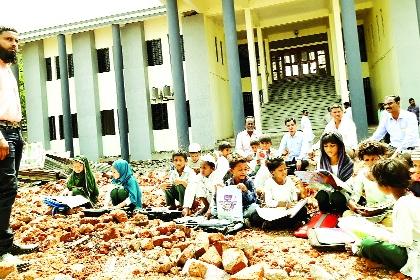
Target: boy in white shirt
x=222 y=163
x=194 y=160
x=178 y=181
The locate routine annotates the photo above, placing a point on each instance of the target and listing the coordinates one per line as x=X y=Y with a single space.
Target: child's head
x=255 y=145
x=225 y=148
x=179 y=159
x=278 y=169
x=238 y=167
x=121 y=169
x=208 y=165
x=265 y=142
x=370 y=151
x=331 y=144
x=195 y=151
x=415 y=158
x=392 y=175
x=78 y=164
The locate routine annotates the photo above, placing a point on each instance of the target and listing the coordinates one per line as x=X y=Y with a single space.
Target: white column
x=337 y=39
x=268 y=61
x=253 y=68
x=263 y=68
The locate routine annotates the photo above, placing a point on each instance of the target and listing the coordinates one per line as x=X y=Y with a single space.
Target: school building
x=190 y=70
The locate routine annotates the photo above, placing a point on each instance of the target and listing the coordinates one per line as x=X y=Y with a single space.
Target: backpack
x=320 y=220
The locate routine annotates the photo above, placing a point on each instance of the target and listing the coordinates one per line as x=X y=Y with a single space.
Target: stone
x=187 y=253
x=234 y=260
x=146 y=244
x=119 y=215
x=275 y=274
x=196 y=268
x=135 y=244
x=214 y=237
x=167 y=228
x=6 y=268
x=90 y=220
x=221 y=246
x=158 y=240
x=181 y=245
x=253 y=272
x=212 y=257
x=86 y=228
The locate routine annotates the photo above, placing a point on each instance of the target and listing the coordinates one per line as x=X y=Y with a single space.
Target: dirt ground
x=116 y=247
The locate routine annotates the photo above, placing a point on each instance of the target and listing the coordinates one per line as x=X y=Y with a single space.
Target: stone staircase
x=288 y=97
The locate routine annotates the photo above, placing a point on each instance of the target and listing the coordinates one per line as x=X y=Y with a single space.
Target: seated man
x=244 y=138
x=294 y=148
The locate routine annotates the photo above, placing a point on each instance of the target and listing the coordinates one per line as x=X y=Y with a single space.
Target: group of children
x=374 y=181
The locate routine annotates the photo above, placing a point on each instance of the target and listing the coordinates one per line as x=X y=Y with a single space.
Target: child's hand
x=178 y=181
x=186 y=211
x=165 y=186
x=242 y=187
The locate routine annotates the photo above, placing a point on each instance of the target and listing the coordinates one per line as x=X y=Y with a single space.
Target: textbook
x=271 y=214
x=70 y=201
x=322 y=176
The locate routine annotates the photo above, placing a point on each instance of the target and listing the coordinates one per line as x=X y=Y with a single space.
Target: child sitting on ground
x=281 y=191
x=82 y=181
x=365 y=187
x=178 y=180
x=335 y=160
x=415 y=172
x=238 y=168
x=261 y=173
x=202 y=187
x=127 y=192
x=400 y=250
x=194 y=160
x=222 y=163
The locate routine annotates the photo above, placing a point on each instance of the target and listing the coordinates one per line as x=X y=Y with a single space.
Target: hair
x=290 y=120
x=224 y=145
x=265 y=139
x=304 y=111
x=331 y=137
x=392 y=173
x=249 y=118
x=347 y=104
x=381 y=106
x=396 y=98
x=272 y=164
x=255 y=142
x=328 y=108
x=371 y=148
x=211 y=164
x=410 y=99
x=236 y=159
x=5 y=29
x=336 y=106
x=180 y=153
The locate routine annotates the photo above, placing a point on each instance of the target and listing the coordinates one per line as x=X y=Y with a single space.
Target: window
x=70 y=65
x=51 y=124
x=216 y=48
x=61 y=126
x=221 y=52
x=154 y=52
x=108 y=122
x=160 y=116
x=74 y=125
x=103 y=60
x=188 y=113
x=362 y=43
x=57 y=67
x=48 y=68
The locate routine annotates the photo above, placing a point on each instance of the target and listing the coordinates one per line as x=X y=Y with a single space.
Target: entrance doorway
x=301 y=61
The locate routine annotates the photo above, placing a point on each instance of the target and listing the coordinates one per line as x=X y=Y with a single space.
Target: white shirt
x=275 y=193
x=404 y=132
x=296 y=145
x=306 y=126
x=347 y=129
x=243 y=142
x=10 y=109
x=201 y=186
x=222 y=167
x=406 y=232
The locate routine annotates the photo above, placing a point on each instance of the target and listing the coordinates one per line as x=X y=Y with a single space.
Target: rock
x=89 y=220
x=212 y=257
x=106 y=218
x=140 y=219
x=158 y=240
x=181 y=245
x=135 y=244
x=6 y=268
x=247 y=247
x=147 y=244
x=214 y=237
x=174 y=254
x=30 y=275
x=196 y=268
x=165 y=264
x=253 y=272
x=185 y=229
x=202 y=244
x=119 y=215
x=86 y=228
x=187 y=253
x=234 y=260
x=167 y=228
x=221 y=246
x=111 y=233
x=275 y=274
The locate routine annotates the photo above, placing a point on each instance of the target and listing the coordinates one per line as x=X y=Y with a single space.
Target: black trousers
x=291 y=166
x=334 y=202
x=9 y=168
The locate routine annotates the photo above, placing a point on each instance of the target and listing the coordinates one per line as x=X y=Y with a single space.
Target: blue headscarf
x=128 y=181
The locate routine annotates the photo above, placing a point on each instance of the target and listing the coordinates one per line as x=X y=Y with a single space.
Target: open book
x=70 y=201
x=271 y=214
x=322 y=176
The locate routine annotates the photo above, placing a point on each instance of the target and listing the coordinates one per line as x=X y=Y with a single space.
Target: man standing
x=294 y=148
x=11 y=142
x=414 y=109
x=306 y=126
x=400 y=124
x=243 y=139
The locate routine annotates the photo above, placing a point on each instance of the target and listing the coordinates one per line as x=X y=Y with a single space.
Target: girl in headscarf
x=82 y=181
x=335 y=160
x=128 y=192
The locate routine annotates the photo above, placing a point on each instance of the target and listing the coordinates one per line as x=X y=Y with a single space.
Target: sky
x=27 y=15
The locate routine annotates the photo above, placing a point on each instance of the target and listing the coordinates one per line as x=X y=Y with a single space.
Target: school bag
x=320 y=220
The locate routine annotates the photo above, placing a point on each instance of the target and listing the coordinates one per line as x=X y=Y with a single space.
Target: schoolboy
x=178 y=181
x=202 y=187
x=415 y=172
x=222 y=163
x=194 y=159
